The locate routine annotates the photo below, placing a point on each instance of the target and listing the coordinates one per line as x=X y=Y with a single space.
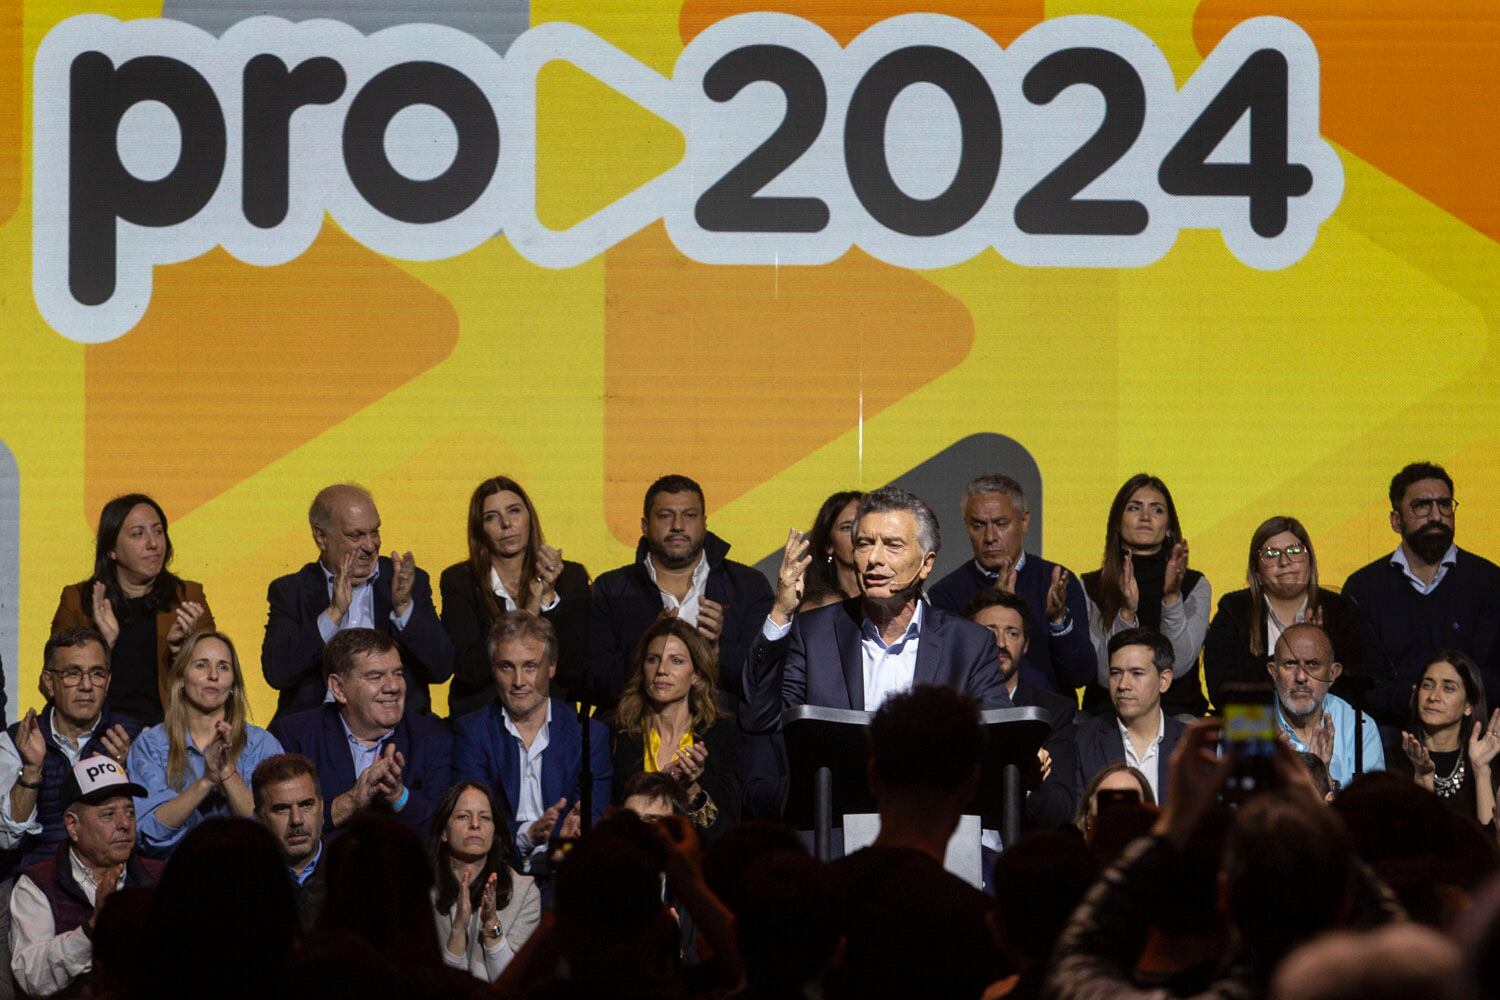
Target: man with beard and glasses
x=1312 y=720
x=1429 y=594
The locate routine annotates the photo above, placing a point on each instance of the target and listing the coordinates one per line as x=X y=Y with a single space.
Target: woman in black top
x=831 y=576
x=668 y=721
x=1143 y=580
x=510 y=567
x=1448 y=749
x=142 y=609
x=1283 y=578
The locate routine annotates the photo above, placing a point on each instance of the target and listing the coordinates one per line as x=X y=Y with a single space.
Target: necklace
x=1447 y=787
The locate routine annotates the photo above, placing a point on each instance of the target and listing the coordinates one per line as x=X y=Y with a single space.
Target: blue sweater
x=1462 y=613
x=1052 y=662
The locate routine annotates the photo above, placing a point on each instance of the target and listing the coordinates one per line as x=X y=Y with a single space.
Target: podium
x=827 y=758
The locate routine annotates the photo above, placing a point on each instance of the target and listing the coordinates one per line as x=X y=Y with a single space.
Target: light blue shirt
x=362 y=755
x=307 y=872
x=1341 y=767
x=1400 y=561
x=361 y=613
x=147 y=765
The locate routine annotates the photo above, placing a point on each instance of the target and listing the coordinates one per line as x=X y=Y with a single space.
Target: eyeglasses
x=1423 y=506
x=1293 y=553
x=73 y=676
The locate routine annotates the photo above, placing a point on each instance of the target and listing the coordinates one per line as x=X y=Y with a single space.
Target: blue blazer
x=483 y=751
x=1099 y=745
x=291 y=656
x=423 y=740
x=1052 y=662
x=820 y=662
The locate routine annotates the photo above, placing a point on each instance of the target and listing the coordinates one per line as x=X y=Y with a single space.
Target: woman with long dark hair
x=831 y=576
x=1448 y=749
x=485 y=911
x=198 y=762
x=141 y=608
x=668 y=720
x=1282 y=573
x=510 y=568
x=1144 y=581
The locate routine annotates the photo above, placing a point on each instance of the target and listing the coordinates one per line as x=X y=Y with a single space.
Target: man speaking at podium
x=859 y=652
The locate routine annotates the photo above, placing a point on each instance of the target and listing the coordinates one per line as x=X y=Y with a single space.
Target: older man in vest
x=56 y=900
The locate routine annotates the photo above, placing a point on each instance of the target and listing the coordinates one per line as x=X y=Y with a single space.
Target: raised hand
x=1484 y=743
x=117 y=743
x=1130 y=591
x=489 y=913
x=393 y=764
x=218 y=764
x=403 y=575
x=710 y=620
x=186 y=619
x=1421 y=761
x=541 y=590
x=572 y=824
x=541 y=828
x=1314 y=617
x=463 y=912
x=1177 y=562
x=343 y=591
x=791 y=577
x=104 y=615
x=686 y=767
x=29 y=740
x=1005 y=578
x=1057 y=596
x=105 y=888
x=1045 y=759
x=1321 y=745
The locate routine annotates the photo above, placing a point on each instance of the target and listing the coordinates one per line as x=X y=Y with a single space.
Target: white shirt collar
x=1399 y=560
x=510 y=726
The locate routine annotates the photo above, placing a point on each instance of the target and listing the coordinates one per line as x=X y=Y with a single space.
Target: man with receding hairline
x=1311 y=718
x=351 y=585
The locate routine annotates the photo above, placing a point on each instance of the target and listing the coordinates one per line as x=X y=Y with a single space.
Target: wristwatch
x=494 y=930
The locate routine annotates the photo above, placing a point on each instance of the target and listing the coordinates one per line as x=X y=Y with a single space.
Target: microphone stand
x=588 y=702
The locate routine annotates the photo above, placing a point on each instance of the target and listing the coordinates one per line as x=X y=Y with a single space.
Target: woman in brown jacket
x=140 y=607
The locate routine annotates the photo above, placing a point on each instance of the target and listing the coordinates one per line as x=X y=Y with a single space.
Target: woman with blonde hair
x=198 y=761
x=668 y=721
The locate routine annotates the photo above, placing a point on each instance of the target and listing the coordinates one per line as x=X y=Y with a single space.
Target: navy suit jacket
x=1053 y=804
x=1053 y=662
x=821 y=662
x=626 y=603
x=423 y=740
x=484 y=751
x=292 y=653
x=1099 y=745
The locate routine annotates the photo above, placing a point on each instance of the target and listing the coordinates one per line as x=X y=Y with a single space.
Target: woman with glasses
x=1283 y=578
x=135 y=601
x=199 y=761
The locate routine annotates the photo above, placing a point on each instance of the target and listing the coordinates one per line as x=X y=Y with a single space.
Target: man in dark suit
x=350 y=586
x=1059 y=653
x=1137 y=732
x=857 y=653
x=370 y=753
x=527 y=747
x=1005 y=615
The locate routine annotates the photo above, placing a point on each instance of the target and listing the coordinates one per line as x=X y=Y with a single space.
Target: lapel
x=314 y=589
x=336 y=751
x=1111 y=745
x=929 y=646
x=509 y=757
x=382 y=588
x=846 y=637
x=563 y=743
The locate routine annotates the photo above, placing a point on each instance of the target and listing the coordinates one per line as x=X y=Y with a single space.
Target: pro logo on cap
x=101 y=778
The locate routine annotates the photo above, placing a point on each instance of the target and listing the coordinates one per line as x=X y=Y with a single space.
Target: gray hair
x=890 y=498
x=320 y=514
x=995 y=482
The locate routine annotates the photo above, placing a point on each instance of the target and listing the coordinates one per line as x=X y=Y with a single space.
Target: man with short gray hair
x=351 y=585
x=1059 y=653
x=858 y=653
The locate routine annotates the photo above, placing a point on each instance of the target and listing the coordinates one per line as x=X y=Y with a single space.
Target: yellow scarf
x=652 y=739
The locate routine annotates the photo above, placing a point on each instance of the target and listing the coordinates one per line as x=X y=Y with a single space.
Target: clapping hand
x=791 y=577
x=710 y=620
x=1005 y=575
x=1321 y=744
x=104 y=615
x=343 y=591
x=1421 y=761
x=117 y=742
x=218 y=764
x=540 y=831
x=1130 y=591
x=403 y=575
x=1045 y=759
x=1057 y=596
x=542 y=589
x=186 y=619
x=686 y=767
x=29 y=740
x=1177 y=562
x=1485 y=743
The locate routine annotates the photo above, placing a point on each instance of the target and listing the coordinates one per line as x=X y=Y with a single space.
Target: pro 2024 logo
x=923 y=142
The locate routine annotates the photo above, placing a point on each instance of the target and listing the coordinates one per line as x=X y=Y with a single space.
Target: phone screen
x=1250 y=733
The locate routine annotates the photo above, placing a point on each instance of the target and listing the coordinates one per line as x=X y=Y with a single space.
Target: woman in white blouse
x=485 y=911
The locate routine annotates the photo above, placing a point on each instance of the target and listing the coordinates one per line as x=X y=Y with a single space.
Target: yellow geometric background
x=1251 y=393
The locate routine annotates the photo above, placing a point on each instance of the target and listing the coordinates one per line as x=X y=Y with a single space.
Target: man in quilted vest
x=41 y=750
x=55 y=901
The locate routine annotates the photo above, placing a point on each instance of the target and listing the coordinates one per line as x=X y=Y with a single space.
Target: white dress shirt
x=1149 y=763
x=43 y=961
x=687 y=608
x=529 y=807
x=888 y=669
x=1274 y=627
x=498 y=587
x=1399 y=560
